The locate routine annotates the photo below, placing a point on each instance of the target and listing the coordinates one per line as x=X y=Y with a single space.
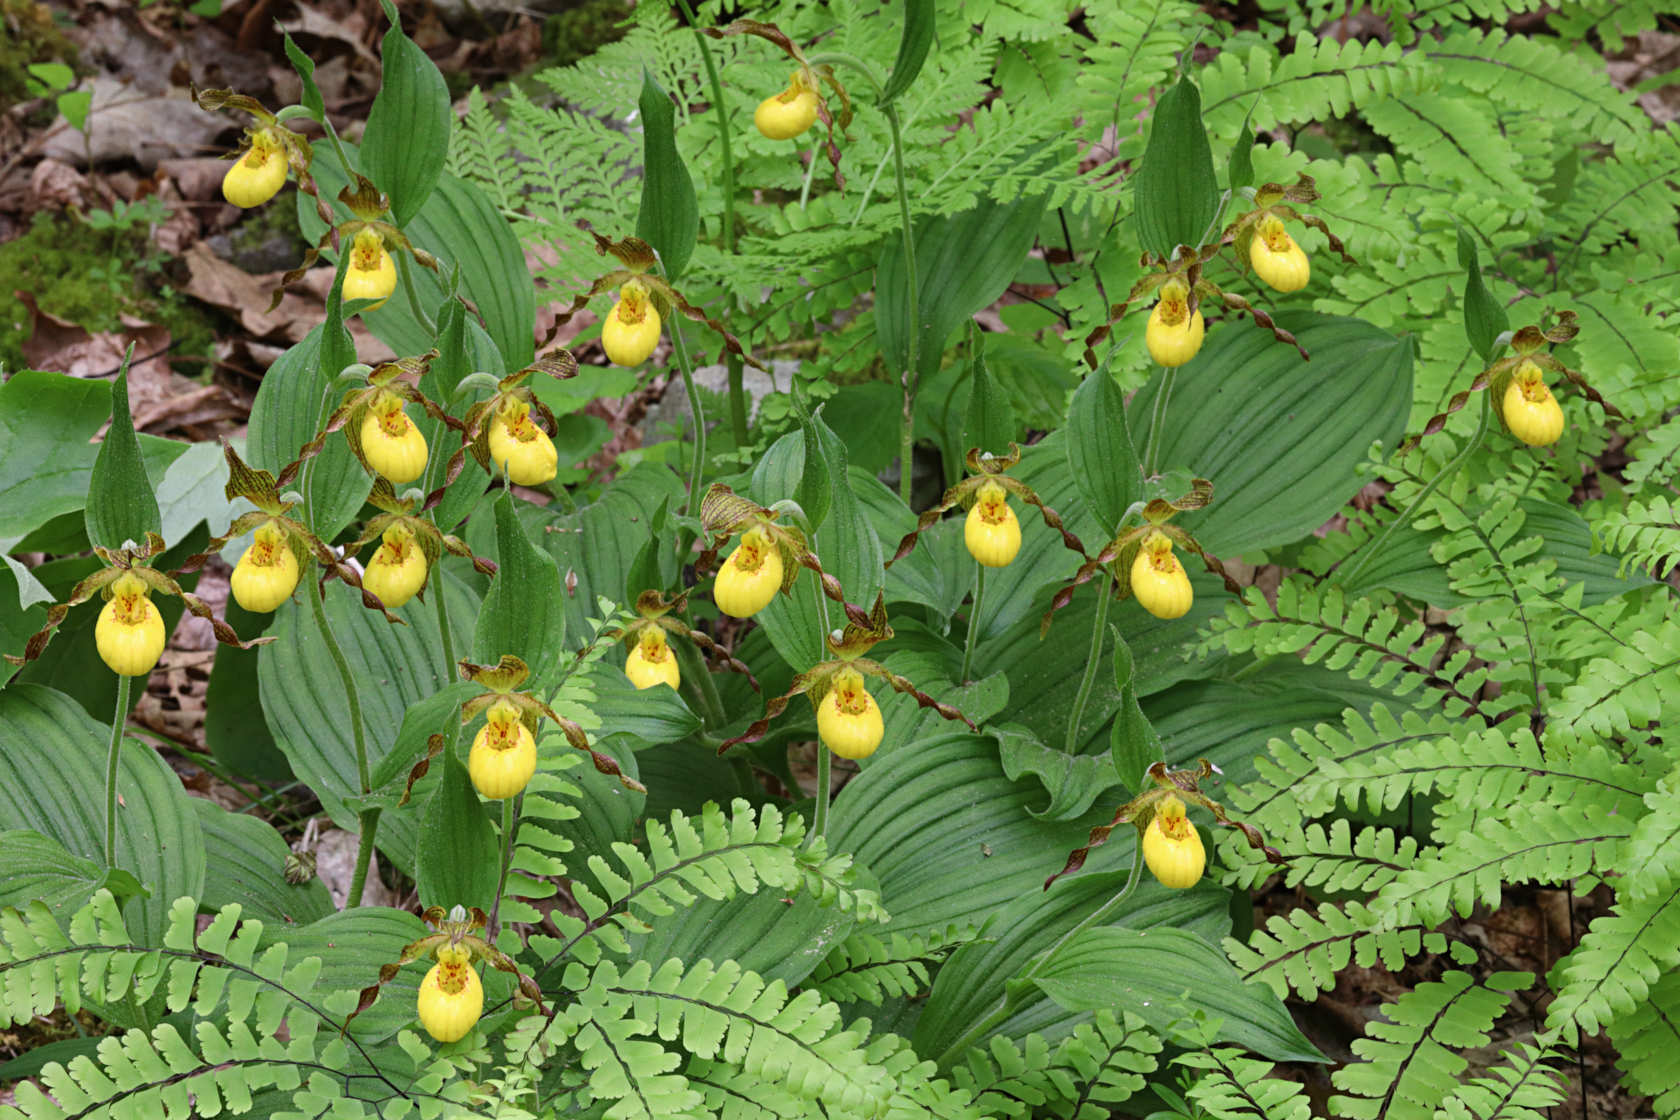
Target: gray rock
x=672 y=412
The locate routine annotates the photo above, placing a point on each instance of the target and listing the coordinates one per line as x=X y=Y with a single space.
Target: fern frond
x=1523 y=1087
x=1656 y=456
x=1624 y=690
x=1333 y=860
x=1302 y=951
x=1645 y=533
x=1232 y=1087
x=1318 y=78
x=1648 y=1039
x=1097 y=1067
x=1535 y=75
x=1610 y=973
x=865 y=969
x=1410 y=1063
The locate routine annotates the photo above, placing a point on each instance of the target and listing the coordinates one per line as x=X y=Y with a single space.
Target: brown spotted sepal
x=456 y=929
x=725 y=514
x=657 y=611
x=1117 y=555
x=369 y=205
x=401 y=514
x=848 y=647
x=1528 y=344
x=501 y=683
x=118 y=563
x=985 y=467
x=388 y=379
x=511 y=391
x=1274 y=200
x=299 y=153
x=638 y=260
x=811 y=76
x=1140 y=810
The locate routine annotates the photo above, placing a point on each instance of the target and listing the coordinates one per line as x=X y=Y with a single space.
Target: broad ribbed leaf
x=669 y=217
x=120 y=503
x=913 y=45
x=523 y=614
x=1100 y=456
x=1280 y=437
x=1177 y=194
x=1484 y=316
x=457 y=860
x=52 y=767
x=40 y=869
x=249 y=868
x=407 y=133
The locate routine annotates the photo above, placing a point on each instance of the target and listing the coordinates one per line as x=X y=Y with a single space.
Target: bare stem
x=112 y=761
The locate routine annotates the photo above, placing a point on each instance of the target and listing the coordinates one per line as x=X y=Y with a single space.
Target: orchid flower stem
x=973 y=638
x=1104 y=594
x=1157 y=419
x=697 y=412
x=1374 y=547
x=825 y=761
x=112 y=761
x=510 y=818
x=420 y=315
x=443 y=626
x=369 y=817
x=1007 y=1004
x=907 y=441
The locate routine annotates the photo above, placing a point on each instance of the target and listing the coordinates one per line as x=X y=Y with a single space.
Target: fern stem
x=907 y=443
x=510 y=817
x=973 y=638
x=1080 y=698
x=698 y=415
x=112 y=759
x=1374 y=547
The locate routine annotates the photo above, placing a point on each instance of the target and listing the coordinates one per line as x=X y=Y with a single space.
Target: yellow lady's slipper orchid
x=258 y=175
x=1158 y=579
x=397 y=571
x=632 y=328
x=267 y=573
x=518 y=445
x=651 y=662
x=451 y=995
x=1276 y=258
x=1531 y=412
x=751 y=576
x=129 y=634
x=785 y=115
x=391 y=443
x=372 y=273
x=992 y=533
x=504 y=755
x=1174 y=333
x=1172 y=848
x=848 y=719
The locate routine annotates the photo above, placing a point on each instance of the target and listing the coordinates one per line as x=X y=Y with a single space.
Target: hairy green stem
x=698 y=415
x=1374 y=547
x=369 y=817
x=118 y=718
x=825 y=778
x=510 y=816
x=1098 y=634
x=907 y=441
x=443 y=625
x=407 y=275
x=737 y=399
x=973 y=638
x=1157 y=420
x=1008 y=1003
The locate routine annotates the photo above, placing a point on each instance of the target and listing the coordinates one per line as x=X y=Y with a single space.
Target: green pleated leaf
x=644 y=716
x=120 y=503
x=52 y=767
x=291 y=406
x=455 y=344
x=46 y=421
x=407 y=135
x=1134 y=743
x=1484 y=316
x=249 y=868
x=778 y=936
x=352 y=945
x=1239 y=168
x=913 y=45
x=816 y=478
x=40 y=869
x=990 y=424
x=1177 y=194
x=963 y=263
x=305 y=67
x=457 y=861
x=1165 y=974
x=1100 y=456
x=234 y=728
x=1280 y=438
x=669 y=218
x=522 y=613
x=972 y=981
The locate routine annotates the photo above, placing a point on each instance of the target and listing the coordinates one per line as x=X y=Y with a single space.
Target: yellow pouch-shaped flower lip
x=651 y=661
x=451 y=997
x=1531 y=412
x=1276 y=257
x=504 y=754
x=631 y=332
x=391 y=443
x=267 y=572
x=992 y=532
x=750 y=578
x=372 y=273
x=522 y=448
x=1159 y=581
x=129 y=633
x=784 y=115
x=258 y=175
x=1174 y=333
x=1172 y=848
x=848 y=719
x=397 y=571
